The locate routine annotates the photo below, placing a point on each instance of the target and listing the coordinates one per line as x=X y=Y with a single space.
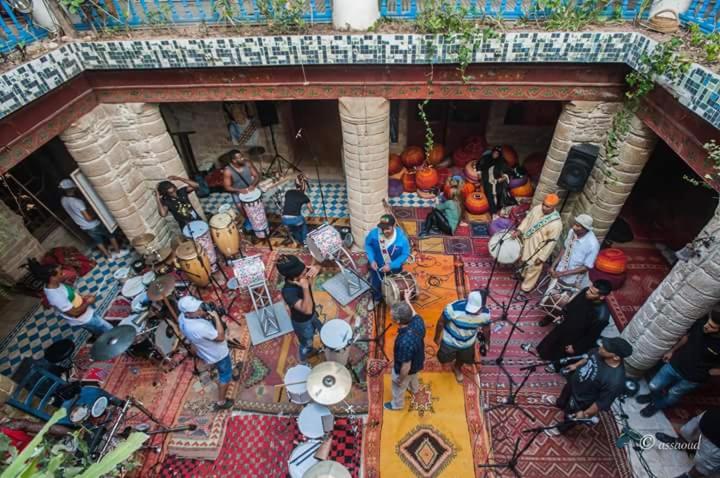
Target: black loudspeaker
x=577 y=167
x=267 y=114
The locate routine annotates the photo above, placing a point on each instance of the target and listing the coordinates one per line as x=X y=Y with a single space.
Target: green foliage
x=225 y=10
x=713 y=160
x=73 y=6
x=379 y=23
x=161 y=16
x=569 y=15
x=429 y=135
x=710 y=43
x=285 y=16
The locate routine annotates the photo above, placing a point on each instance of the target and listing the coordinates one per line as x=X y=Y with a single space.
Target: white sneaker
x=552 y=432
x=371 y=305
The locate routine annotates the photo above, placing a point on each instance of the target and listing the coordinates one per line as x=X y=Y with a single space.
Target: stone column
x=690 y=290
x=17 y=244
x=610 y=183
x=580 y=122
x=365 y=126
x=124 y=150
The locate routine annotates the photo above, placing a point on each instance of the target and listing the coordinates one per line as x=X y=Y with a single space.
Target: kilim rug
x=694 y=403
x=439 y=433
x=646 y=268
x=583 y=452
x=257 y=446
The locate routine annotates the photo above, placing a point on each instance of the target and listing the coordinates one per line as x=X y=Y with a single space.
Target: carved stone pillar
x=366 y=134
x=580 y=122
x=690 y=290
x=17 y=244
x=610 y=184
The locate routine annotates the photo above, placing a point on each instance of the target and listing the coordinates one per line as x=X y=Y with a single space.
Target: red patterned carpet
x=646 y=268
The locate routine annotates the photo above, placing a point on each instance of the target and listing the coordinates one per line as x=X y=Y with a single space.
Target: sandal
x=227 y=404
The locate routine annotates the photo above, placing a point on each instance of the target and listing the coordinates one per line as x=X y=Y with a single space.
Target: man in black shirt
x=705 y=430
x=292 y=209
x=595 y=382
x=688 y=364
x=176 y=201
x=298 y=296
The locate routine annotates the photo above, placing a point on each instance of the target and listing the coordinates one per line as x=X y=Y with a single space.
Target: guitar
x=413 y=244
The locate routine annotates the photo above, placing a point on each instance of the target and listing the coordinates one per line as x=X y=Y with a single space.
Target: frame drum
x=196 y=267
x=506 y=253
x=395 y=285
x=295 y=384
x=225 y=234
x=324 y=243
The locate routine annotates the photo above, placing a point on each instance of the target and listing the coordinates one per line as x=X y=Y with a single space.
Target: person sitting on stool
x=444 y=218
x=595 y=382
x=292 y=209
x=387 y=248
x=206 y=333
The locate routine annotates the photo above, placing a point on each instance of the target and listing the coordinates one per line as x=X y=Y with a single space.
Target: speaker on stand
x=268 y=116
x=577 y=169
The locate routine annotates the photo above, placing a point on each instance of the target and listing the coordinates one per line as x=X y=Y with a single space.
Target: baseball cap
x=67 y=184
x=386 y=221
x=474 y=302
x=189 y=304
x=617 y=346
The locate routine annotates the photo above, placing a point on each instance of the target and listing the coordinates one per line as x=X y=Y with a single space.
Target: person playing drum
x=569 y=272
x=387 y=248
x=292 y=209
x=539 y=231
x=206 y=332
x=297 y=294
x=241 y=179
x=175 y=200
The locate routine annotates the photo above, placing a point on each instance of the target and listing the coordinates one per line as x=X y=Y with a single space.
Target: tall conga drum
x=225 y=234
x=193 y=260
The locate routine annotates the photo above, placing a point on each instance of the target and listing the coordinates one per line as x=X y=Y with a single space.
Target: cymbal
x=143 y=239
x=327 y=469
x=161 y=287
x=156 y=257
x=113 y=342
x=329 y=383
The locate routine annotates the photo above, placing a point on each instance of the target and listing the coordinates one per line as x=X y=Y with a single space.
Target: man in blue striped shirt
x=456 y=331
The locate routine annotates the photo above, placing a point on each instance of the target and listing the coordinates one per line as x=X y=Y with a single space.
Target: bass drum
x=506 y=253
x=395 y=285
x=194 y=262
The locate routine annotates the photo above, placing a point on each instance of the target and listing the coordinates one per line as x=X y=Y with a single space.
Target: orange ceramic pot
x=443 y=174
x=511 y=157
x=437 y=154
x=477 y=203
x=465 y=189
x=461 y=157
x=395 y=164
x=475 y=145
x=611 y=261
x=413 y=156
x=427 y=178
x=408 y=181
x=471 y=172
x=524 y=191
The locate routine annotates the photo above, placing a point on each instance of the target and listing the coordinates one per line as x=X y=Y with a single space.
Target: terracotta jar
x=408 y=181
x=477 y=203
x=466 y=188
x=427 y=178
x=413 y=156
x=511 y=157
x=443 y=174
x=395 y=164
x=437 y=154
x=471 y=173
x=524 y=191
x=611 y=261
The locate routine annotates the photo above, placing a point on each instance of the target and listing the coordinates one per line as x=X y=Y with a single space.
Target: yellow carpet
x=429 y=438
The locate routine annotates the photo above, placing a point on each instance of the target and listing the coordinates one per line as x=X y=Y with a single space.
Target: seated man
x=586 y=316
x=387 y=248
x=569 y=272
x=688 y=364
x=595 y=382
x=292 y=209
x=705 y=430
x=444 y=218
x=176 y=201
x=456 y=331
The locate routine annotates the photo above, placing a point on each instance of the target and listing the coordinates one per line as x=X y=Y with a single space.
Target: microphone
x=574 y=358
x=589 y=420
x=298 y=135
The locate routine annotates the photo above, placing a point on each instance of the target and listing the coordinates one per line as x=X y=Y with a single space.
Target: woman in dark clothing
x=496 y=175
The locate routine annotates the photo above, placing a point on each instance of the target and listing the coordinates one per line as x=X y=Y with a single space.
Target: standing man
x=292 y=209
x=705 y=430
x=206 y=333
x=595 y=382
x=175 y=200
x=539 y=231
x=456 y=331
x=79 y=213
x=688 y=365
x=387 y=248
x=409 y=352
x=241 y=179
x=297 y=294
x=76 y=309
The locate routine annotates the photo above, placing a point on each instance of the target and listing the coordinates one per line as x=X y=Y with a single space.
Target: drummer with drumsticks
x=387 y=248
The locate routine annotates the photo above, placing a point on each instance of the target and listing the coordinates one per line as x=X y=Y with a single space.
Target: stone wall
x=524 y=139
x=16 y=245
x=366 y=131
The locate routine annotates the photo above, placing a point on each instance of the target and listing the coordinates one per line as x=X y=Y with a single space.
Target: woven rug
x=258 y=446
x=583 y=452
x=646 y=268
x=694 y=403
x=441 y=432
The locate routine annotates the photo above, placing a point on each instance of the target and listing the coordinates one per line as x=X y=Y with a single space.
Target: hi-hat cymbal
x=329 y=383
x=156 y=257
x=143 y=239
x=161 y=287
x=327 y=469
x=113 y=342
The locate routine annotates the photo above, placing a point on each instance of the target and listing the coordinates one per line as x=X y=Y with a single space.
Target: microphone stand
x=314 y=156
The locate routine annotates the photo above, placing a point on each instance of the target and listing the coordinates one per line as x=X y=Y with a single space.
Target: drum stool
x=59 y=355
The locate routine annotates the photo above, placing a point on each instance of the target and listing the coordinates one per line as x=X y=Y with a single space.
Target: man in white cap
x=79 y=213
x=569 y=272
x=456 y=331
x=203 y=328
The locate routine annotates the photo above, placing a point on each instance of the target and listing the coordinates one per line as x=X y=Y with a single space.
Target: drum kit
x=326 y=384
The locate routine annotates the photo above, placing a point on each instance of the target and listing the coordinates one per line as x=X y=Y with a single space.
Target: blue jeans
x=224 y=368
x=98 y=234
x=376 y=281
x=305 y=332
x=298 y=227
x=670 y=381
x=97 y=325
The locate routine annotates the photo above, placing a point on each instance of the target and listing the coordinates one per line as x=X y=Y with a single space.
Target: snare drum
x=295 y=384
x=199 y=232
x=249 y=271
x=506 y=253
x=324 y=243
x=336 y=336
x=315 y=420
x=395 y=285
x=196 y=266
x=225 y=234
x=301 y=459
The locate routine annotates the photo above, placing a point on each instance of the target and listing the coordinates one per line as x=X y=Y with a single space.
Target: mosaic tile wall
x=699 y=90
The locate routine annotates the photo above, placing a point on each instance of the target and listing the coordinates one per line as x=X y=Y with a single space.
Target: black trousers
x=569 y=405
x=437 y=220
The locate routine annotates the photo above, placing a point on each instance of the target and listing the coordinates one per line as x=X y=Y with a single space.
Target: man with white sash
x=387 y=248
x=241 y=179
x=539 y=231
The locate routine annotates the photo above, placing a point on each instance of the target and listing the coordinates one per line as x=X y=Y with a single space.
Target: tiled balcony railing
x=17 y=29
x=705 y=13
